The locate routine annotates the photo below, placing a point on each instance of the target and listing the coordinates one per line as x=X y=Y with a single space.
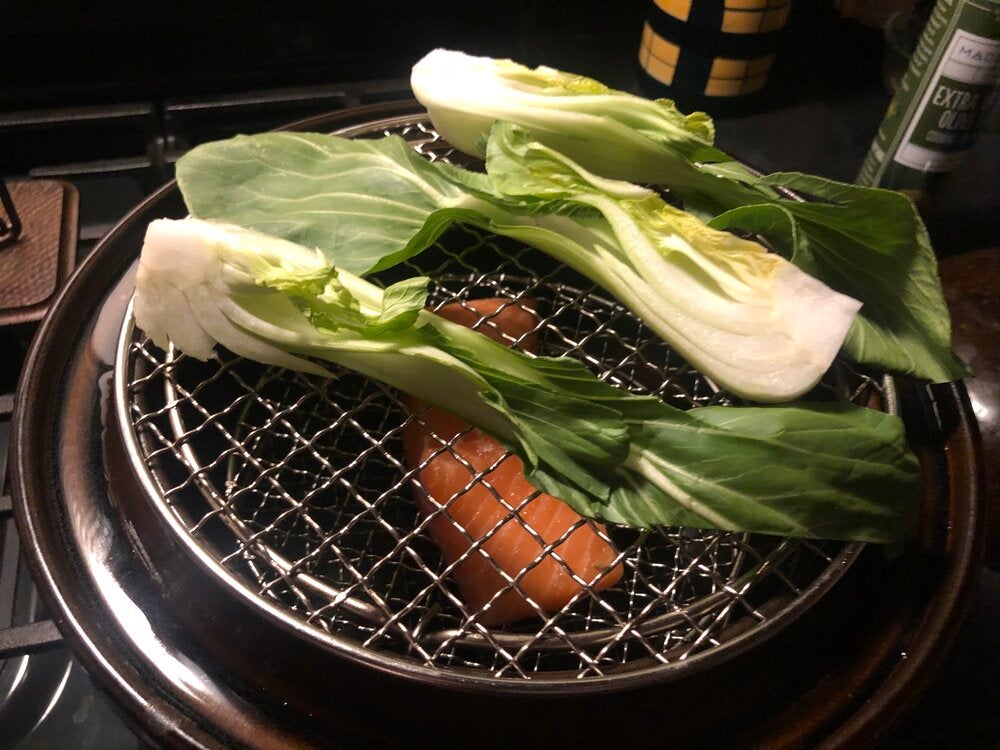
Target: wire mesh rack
x=297 y=488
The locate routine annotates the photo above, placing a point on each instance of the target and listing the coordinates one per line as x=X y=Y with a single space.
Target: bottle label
x=944 y=129
x=932 y=119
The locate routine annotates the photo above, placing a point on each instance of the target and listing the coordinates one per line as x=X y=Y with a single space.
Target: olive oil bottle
x=932 y=121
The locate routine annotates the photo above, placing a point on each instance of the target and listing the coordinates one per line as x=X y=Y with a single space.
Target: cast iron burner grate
x=295 y=489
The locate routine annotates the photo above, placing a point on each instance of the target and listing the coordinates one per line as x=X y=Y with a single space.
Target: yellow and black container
x=705 y=51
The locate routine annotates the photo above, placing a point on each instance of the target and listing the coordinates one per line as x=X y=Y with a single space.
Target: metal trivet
x=295 y=488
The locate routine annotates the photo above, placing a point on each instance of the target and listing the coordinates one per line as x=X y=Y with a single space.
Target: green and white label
x=943 y=130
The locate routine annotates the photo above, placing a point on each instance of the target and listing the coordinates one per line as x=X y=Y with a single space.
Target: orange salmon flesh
x=515 y=540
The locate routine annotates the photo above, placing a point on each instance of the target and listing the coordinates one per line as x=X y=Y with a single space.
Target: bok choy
x=830 y=471
x=748 y=319
x=867 y=243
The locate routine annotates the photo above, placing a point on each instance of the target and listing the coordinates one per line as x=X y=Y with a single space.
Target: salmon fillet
x=470 y=514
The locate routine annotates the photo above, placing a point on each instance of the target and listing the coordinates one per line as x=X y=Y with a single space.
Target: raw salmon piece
x=477 y=510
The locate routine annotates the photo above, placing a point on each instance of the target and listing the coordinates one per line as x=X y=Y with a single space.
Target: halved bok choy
x=867 y=243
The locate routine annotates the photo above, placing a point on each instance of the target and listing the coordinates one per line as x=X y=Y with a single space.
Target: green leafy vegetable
x=863 y=242
x=742 y=468
x=832 y=471
x=748 y=319
x=201 y=283
x=466 y=95
x=872 y=245
x=364 y=199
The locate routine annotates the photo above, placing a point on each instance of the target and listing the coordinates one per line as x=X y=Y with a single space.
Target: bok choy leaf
x=830 y=471
x=866 y=243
